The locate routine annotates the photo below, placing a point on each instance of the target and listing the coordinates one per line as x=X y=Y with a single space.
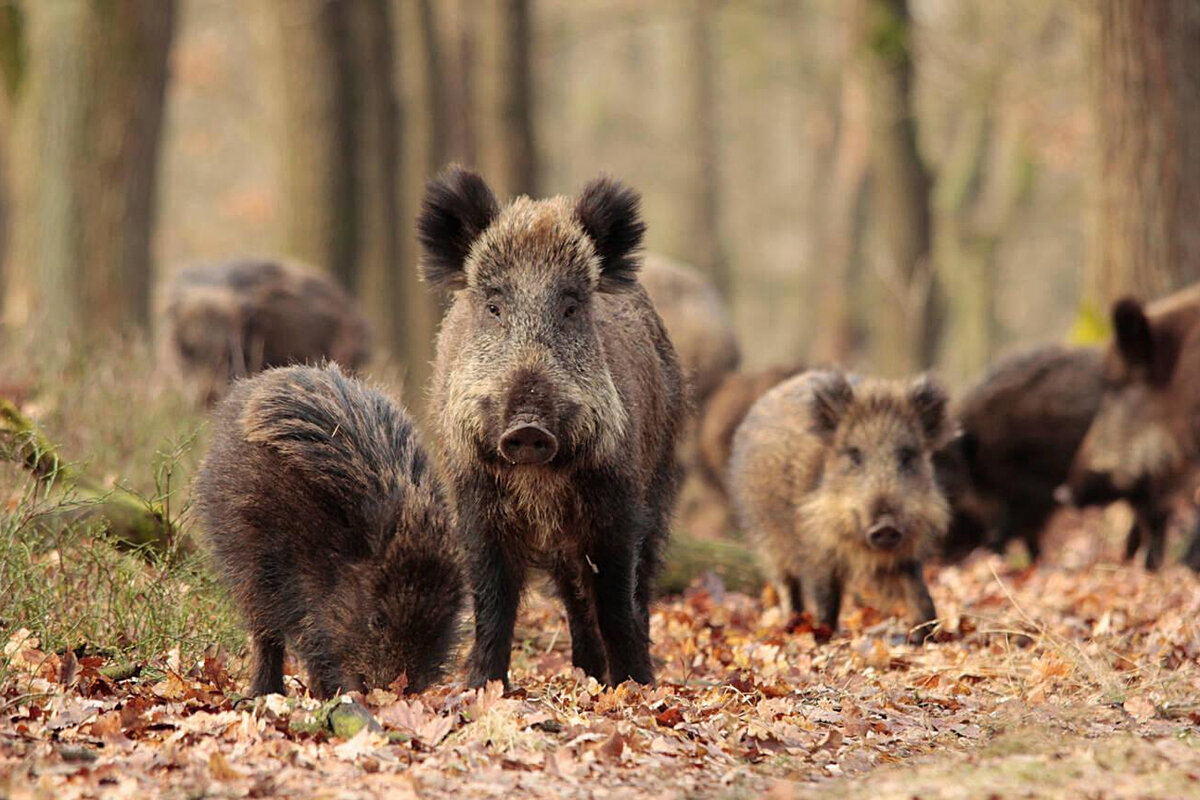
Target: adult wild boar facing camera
x=559 y=398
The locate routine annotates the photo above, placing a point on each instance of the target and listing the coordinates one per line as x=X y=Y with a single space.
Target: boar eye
x=570 y=309
x=907 y=456
x=375 y=623
x=855 y=456
x=494 y=310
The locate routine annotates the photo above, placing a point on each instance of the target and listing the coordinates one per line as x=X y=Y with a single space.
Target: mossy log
x=134 y=522
x=688 y=558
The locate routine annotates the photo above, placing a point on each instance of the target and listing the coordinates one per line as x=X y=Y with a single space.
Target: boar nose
x=528 y=443
x=884 y=535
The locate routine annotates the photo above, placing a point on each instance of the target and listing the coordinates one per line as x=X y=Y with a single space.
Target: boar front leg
x=626 y=639
x=497 y=580
x=918 y=601
x=822 y=594
x=268 y=663
x=1156 y=536
x=587 y=649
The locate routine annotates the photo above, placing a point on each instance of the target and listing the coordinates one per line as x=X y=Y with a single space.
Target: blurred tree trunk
x=341 y=142
x=708 y=252
x=843 y=206
x=904 y=337
x=447 y=72
x=508 y=98
x=319 y=163
x=88 y=88
x=1146 y=239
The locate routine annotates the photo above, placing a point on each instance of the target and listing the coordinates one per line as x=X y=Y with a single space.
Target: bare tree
x=708 y=252
x=906 y=317
x=87 y=81
x=1146 y=240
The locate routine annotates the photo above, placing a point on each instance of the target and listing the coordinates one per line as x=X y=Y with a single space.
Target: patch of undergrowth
x=73 y=587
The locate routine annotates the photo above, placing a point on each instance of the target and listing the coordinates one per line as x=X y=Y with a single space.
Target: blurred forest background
x=886 y=183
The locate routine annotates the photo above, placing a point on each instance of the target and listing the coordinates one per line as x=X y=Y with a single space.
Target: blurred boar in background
x=1019 y=429
x=559 y=401
x=725 y=410
x=833 y=483
x=694 y=314
x=698 y=323
x=1145 y=438
x=220 y=322
x=325 y=519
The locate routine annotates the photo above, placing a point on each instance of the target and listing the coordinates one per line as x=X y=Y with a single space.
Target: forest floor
x=120 y=675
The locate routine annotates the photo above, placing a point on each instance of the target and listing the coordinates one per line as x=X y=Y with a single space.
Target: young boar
x=327 y=523
x=559 y=399
x=1146 y=434
x=1020 y=428
x=694 y=314
x=221 y=322
x=724 y=412
x=833 y=483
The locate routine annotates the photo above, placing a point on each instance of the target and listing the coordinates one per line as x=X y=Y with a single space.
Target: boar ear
x=610 y=215
x=831 y=396
x=1135 y=340
x=457 y=208
x=929 y=400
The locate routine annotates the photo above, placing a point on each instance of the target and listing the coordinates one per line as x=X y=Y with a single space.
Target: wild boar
x=725 y=410
x=1019 y=429
x=833 y=484
x=559 y=400
x=1145 y=438
x=326 y=521
x=696 y=319
x=225 y=321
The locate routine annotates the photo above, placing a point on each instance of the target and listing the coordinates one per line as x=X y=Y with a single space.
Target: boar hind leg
x=918 y=601
x=268 y=664
x=822 y=593
x=1192 y=556
x=497 y=581
x=1156 y=537
x=626 y=638
x=587 y=649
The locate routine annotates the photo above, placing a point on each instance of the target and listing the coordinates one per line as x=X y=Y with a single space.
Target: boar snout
x=885 y=534
x=528 y=443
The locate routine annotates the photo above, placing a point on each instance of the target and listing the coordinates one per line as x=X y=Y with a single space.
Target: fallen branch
x=688 y=558
x=129 y=518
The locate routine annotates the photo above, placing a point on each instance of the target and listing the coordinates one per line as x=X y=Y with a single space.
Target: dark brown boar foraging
x=559 y=399
x=327 y=523
x=224 y=321
x=833 y=484
x=1019 y=429
x=1145 y=438
x=694 y=314
x=724 y=412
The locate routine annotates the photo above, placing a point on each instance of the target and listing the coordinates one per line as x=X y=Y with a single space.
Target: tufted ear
x=610 y=214
x=831 y=396
x=458 y=207
x=929 y=400
x=1135 y=340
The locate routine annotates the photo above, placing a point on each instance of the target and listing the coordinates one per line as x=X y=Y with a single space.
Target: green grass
x=106 y=411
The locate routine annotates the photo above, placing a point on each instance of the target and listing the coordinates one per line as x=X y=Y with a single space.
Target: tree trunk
x=708 y=253
x=1145 y=236
x=87 y=116
x=844 y=210
x=507 y=87
x=905 y=336
x=319 y=212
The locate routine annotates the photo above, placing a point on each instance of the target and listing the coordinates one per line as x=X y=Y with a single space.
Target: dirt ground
x=1078 y=679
